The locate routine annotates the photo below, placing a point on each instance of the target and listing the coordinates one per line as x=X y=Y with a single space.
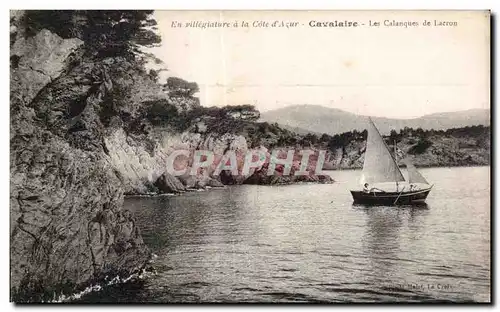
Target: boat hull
x=390 y=198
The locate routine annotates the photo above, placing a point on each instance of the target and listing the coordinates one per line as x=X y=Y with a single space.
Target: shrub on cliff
x=180 y=87
x=228 y=119
x=472 y=131
x=394 y=136
x=343 y=139
x=161 y=112
x=242 y=112
x=420 y=147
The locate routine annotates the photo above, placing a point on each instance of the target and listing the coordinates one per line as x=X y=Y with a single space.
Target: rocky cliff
x=144 y=172
x=454 y=147
x=68 y=228
x=139 y=168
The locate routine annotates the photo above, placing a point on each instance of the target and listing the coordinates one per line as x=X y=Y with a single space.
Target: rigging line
x=399 y=195
x=395 y=157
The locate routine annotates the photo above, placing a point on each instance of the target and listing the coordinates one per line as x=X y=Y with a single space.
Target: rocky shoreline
x=209 y=188
x=168 y=185
x=68 y=228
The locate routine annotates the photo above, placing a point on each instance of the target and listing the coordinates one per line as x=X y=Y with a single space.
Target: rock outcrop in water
x=261 y=177
x=167 y=183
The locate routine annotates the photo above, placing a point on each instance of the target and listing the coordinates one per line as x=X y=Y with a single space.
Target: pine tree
x=106 y=33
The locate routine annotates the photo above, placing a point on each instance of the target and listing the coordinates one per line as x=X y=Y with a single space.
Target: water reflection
x=382 y=238
x=381 y=241
x=309 y=242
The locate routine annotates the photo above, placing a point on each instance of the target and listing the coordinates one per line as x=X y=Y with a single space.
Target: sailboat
x=382 y=179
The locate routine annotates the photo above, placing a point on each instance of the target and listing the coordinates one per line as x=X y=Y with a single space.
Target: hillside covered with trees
x=466 y=146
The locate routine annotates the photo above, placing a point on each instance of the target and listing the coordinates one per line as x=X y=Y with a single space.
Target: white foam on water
x=98 y=287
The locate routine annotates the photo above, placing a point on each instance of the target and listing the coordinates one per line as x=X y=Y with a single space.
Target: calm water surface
x=309 y=243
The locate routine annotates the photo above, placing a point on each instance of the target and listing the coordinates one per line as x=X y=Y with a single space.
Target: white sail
x=413 y=175
x=379 y=165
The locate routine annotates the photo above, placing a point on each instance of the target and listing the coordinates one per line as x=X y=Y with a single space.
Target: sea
x=310 y=243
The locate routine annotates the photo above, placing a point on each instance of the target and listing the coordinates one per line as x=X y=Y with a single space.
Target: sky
x=394 y=72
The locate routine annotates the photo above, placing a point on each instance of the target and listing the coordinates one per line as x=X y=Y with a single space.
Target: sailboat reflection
x=385 y=240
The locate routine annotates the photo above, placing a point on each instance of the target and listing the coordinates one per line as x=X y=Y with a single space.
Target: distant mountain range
x=319 y=119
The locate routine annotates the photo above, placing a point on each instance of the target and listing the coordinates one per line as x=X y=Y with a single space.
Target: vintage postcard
x=250 y=156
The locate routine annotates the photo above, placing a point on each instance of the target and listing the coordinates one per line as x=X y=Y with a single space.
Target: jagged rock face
x=261 y=177
x=67 y=223
x=39 y=60
x=214 y=183
x=350 y=156
x=189 y=181
x=139 y=167
x=66 y=219
x=227 y=178
x=167 y=183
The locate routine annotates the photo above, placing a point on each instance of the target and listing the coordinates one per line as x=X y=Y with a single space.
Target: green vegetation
x=419 y=138
x=106 y=33
x=181 y=87
x=421 y=147
x=343 y=139
x=242 y=119
x=218 y=119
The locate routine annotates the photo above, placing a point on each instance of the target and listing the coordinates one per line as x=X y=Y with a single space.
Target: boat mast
x=396 y=159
